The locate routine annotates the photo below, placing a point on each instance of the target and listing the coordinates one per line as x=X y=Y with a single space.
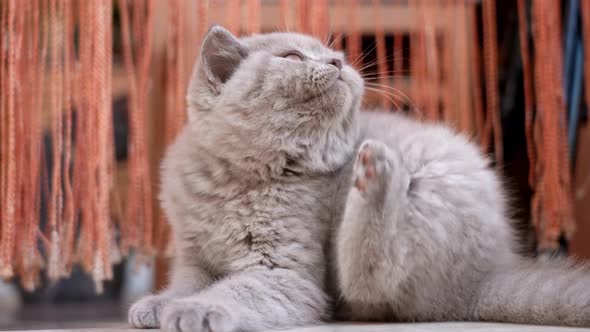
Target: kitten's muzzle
x=338 y=64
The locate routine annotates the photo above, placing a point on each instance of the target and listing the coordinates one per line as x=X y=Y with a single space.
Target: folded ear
x=221 y=54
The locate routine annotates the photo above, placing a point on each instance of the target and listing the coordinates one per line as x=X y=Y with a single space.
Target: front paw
x=145 y=313
x=194 y=316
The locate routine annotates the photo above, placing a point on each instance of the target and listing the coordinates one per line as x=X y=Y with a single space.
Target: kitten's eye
x=295 y=56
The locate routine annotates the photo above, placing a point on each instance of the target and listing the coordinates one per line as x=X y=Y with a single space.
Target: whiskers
x=379 y=83
x=377 y=62
x=378 y=73
x=396 y=96
x=334 y=39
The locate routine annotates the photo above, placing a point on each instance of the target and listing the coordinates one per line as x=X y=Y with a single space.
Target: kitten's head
x=282 y=92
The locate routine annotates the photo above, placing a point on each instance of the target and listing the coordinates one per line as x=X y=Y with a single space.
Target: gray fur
x=279 y=222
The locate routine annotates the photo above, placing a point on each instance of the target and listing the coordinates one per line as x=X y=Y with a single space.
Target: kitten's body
x=277 y=220
x=443 y=229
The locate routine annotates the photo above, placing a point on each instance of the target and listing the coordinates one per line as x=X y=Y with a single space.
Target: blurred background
x=91 y=92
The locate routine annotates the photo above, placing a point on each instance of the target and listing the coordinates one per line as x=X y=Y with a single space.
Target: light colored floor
x=414 y=327
x=439 y=327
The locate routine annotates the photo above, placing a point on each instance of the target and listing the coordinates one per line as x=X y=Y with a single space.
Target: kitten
x=288 y=206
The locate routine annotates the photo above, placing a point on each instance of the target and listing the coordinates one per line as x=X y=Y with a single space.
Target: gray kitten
x=288 y=207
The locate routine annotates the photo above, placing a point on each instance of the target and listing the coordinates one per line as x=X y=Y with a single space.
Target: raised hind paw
x=374 y=167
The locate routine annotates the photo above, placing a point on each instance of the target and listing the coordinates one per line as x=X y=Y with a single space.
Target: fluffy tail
x=556 y=292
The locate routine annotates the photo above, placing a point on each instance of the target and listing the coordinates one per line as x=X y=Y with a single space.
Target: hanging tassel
x=69 y=223
x=9 y=157
x=202 y=18
x=102 y=68
x=138 y=218
x=233 y=16
x=551 y=201
x=175 y=90
x=398 y=74
x=28 y=256
x=476 y=87
x=353 y=34
x=84 y=146
x=338 y=33
x=285 y=12
x=431 y=69
x=55 y=209
x=417 y=61
x=585 y=11
x=465 y=112
x=93 y=171
x=381 y=56
x=528 y=90
x=302 y=7
x=253 y=16
x=319 y=20
x=493 y=126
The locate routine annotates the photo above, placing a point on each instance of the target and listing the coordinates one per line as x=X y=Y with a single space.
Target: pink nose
x=337 y=63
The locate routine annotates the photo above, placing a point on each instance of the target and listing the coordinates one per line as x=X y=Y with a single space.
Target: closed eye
x=293 y=55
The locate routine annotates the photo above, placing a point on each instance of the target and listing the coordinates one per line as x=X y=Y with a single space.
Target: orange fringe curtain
x=138 y=216
x=490 y=58
x=550 y=171
x=95 y=141
x=54 y=83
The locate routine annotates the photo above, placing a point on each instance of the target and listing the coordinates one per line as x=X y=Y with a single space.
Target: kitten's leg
x=248 y=301
x=185 y=280
x=367 y=257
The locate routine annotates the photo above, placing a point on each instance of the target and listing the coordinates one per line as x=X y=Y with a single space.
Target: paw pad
x=370 y=165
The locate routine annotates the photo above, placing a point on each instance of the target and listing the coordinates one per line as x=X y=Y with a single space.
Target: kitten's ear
x=221 y=54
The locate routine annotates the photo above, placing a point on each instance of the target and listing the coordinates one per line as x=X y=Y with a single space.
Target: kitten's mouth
x=337 y=82
x=334 y=81
x=351 y=79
